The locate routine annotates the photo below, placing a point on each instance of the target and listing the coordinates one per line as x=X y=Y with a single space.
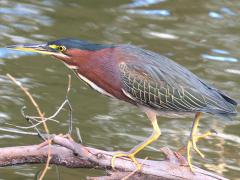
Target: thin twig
x=31 y=99
x=30 y=120
x=69 y=105
x=32 y=126
x=18 y=131
x=79 y=135
x=41 y=114
x=48 y=161
x=52 y=116
x=57 y=172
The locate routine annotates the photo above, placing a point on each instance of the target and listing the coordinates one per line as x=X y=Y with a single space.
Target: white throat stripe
x=94 y=86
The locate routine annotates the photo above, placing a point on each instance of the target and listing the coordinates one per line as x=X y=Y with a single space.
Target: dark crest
x=80 y=44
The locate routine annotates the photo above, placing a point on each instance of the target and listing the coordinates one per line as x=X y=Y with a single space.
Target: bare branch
x=73 y=155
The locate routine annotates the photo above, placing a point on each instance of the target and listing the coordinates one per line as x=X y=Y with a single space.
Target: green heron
x=154 y=83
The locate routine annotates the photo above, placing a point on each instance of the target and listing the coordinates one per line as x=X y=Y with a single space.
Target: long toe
x=127 y=155
x=202 y=136
x=195 y=139
x=192 y=143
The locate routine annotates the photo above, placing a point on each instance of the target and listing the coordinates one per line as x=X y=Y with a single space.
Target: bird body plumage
x=150 y=80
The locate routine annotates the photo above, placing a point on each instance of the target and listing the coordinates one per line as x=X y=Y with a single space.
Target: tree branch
x=70 y=154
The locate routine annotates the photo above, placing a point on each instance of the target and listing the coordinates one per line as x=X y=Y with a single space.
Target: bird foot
x=192 y=144
x=209 y=133
x=183 y=149
x=129 y=155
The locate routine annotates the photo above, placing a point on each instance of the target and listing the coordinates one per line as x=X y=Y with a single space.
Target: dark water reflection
x=201 y=35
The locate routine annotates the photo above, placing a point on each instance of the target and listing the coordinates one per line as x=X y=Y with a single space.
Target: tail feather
x=228 y=99
x=226 y=106
x=222 y=105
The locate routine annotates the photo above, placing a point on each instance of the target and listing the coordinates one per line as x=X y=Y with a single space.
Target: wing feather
x=160 y=83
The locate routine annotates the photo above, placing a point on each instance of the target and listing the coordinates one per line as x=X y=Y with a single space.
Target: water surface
x=201 y=35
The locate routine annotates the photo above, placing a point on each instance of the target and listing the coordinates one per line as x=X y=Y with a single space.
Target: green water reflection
x=201 y=35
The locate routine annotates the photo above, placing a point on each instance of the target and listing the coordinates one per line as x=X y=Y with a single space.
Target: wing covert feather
x=160 y=83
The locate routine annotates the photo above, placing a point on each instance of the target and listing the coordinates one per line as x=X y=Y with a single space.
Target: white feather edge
x=94 y=86
x=90 y=83
x=128 y=94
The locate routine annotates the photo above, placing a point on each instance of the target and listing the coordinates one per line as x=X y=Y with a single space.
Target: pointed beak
x=37 y=48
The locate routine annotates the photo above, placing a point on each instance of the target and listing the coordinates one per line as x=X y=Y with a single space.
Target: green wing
x=158 y=82
x=156 y=93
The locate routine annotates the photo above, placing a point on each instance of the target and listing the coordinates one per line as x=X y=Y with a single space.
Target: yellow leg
x=194 y=138
x=131 y=154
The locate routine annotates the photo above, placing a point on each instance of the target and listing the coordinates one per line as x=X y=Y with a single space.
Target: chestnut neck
x=99 y=67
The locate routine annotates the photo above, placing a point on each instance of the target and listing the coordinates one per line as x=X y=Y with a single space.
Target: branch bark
x=68 y=153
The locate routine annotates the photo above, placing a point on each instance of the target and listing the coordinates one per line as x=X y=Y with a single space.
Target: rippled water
x=201 y=35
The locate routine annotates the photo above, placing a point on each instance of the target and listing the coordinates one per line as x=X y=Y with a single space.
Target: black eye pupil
x=61 y=48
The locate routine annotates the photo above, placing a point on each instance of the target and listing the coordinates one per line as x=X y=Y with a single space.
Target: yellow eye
x=58 y=48
x=62 y=48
